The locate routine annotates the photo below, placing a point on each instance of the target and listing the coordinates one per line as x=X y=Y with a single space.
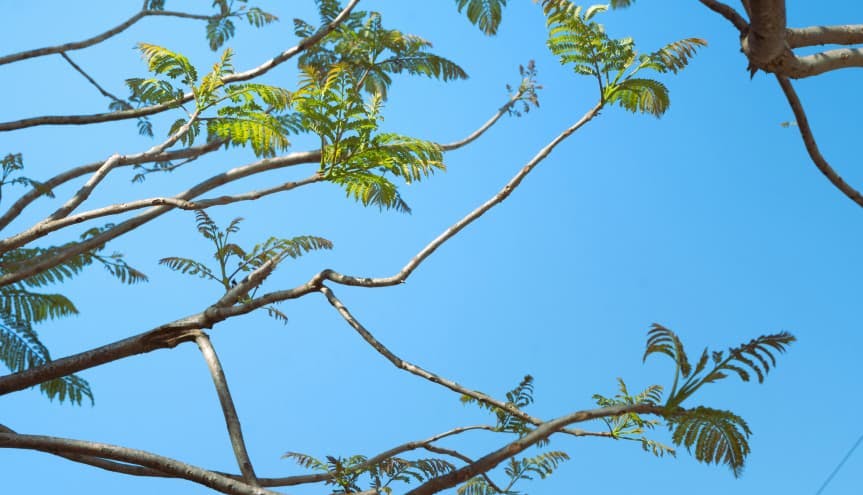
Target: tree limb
x=848 y=34
x=232 y=420
x=77 y=45
x=812 y=146
x=488 y=462
x=55 y=445
x=729 y=13
x=432 y=377
x=154 y=109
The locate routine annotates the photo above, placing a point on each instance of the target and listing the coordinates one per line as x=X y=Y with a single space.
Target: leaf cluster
x=355 y=155
x=232 y=260
x=582 y=43
x=517 y=469
x=713 y=435
x=519 y=397
x=632 y=426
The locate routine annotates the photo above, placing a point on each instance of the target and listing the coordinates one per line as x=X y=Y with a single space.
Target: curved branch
x=77 y=45
x=154 y=109
x=116 y=467
x=488 y=462
x=54 y=445
x=729 y=13
x=232 y=420
x=811 y=146
x=432 y=377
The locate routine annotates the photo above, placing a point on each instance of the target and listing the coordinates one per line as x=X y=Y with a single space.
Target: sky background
x=711 y=221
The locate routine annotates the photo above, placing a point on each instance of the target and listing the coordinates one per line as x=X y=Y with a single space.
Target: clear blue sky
x=711 y=221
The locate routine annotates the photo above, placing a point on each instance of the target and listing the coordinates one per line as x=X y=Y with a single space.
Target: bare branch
x=54 y=445
x=509 y=450
x=812 y=146
x=154 y=109
x=232 y=420
x=498 y=198
x=117 y=467
x=77 y=45
x=729 y=13
x=41 y=230
x=849 y=34
x=36 y=192
x=432 y=377
x=483 y=128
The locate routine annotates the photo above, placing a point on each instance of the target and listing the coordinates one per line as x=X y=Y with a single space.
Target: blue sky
x=710 y=220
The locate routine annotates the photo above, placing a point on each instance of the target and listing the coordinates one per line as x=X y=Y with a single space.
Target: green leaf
x=163 y=61
x=640 y=96
x=219 y=30
x=712 y=436
x=485 y=14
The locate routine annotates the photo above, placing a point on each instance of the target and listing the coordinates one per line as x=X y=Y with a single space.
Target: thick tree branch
x=113 y=466
x=77 y=45
x=464 y=458
x=154 y=109
x=812 y=146
x=765 y=40
x=488 y=462
x=849 y=34
x=232 y=420
x=54 y=445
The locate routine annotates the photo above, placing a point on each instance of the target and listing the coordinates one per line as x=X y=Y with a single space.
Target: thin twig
x=77 y=45
x=92 y=81
x=232 y=420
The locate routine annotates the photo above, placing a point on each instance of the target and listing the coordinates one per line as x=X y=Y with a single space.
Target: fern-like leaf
x=712 y=436
x=485 y=14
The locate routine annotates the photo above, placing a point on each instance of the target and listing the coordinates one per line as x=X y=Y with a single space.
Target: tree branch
x=432 y=377
x=54 y=445
x=117 y=467
x=729 y=13
x=848 y=34
x=812 y=146
x=89 y=79
x=232 y=420
x=43 y=229
x=77 y=45
x=509 y=450
x=466 y=459
x=154 y=109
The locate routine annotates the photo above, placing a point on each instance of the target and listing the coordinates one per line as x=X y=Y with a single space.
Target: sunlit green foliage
x=485 y=14
x=372 y=53
x=582 y=43
x=233 y=261
x=632 y=426
x=355 y=155
x=519 y=397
